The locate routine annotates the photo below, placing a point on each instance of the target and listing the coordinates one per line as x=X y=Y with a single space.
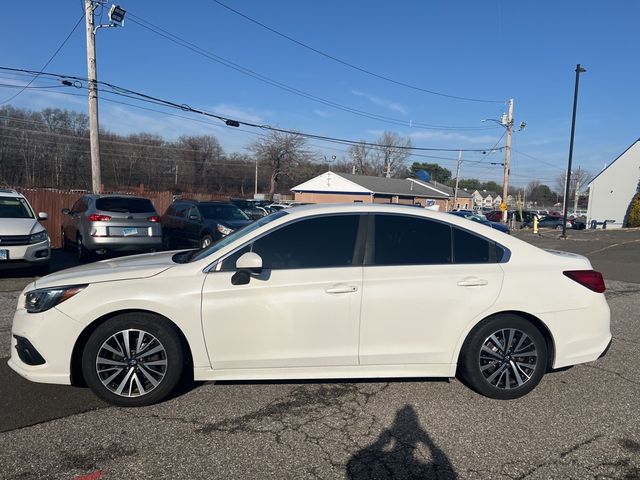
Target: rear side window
x=125 y=205
x=322 y=242
x=471 y=248
x=407 y=240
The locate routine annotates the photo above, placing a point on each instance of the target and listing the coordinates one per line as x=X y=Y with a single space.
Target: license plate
x=4 y=254
x=129 y=231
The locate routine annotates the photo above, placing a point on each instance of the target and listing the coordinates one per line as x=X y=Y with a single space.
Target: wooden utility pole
x=455 y=191
x=507 y=158
x=96 y=179
x=575 y=201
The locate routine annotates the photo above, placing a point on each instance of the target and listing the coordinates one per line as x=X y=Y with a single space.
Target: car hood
x=125 y=268
x=19 y=226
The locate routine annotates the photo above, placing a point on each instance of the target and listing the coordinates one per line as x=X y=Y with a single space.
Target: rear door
x=424 y=281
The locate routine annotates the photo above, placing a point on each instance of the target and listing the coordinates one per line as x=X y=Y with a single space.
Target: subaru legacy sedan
x=317 y=292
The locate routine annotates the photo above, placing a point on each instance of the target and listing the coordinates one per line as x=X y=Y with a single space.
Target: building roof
x=338 y=182
x=622 y=154
x=441 y=189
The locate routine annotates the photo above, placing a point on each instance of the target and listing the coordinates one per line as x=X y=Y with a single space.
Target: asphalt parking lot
x=583 y=422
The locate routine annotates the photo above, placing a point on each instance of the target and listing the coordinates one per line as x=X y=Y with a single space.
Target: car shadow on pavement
x=405 y=450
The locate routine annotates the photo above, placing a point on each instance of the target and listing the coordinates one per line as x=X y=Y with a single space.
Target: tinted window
x=406 y=240
x=471 y=248
x=125 y=205
x=321 y=242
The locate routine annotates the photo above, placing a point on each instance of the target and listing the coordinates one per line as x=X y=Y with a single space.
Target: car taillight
x=153 y=218
x=587 y=278
x=94 y=217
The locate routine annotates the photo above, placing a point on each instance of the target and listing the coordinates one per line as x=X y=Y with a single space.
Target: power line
x=232 y=122
x=295 y=91
x=350 y=65
x=48 y=61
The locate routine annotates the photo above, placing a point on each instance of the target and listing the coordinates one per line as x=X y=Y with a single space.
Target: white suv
x=23 y=240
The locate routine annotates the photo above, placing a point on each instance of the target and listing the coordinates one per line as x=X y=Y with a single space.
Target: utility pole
x=176 y=179
x=96 y=179
x=255 y=189
x=507 y=158
x=575 y=202
x=455 y=191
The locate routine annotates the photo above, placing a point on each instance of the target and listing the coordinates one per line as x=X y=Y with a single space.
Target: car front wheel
x=206 y=241
x=133 y=359
x=504 y=357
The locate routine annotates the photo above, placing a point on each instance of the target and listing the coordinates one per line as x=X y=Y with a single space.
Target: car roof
x=9 y=192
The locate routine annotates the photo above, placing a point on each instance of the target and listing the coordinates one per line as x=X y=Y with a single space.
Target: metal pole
x=579 y=70
x=255 y=189
x=96 y=179
x=507 y=159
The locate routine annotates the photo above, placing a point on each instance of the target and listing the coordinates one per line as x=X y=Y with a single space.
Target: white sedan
x=318 y=291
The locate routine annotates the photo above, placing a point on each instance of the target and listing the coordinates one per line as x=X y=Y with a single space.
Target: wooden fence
x=53 y=201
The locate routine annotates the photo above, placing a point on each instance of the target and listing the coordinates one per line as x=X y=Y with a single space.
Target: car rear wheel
x=133 y=359
x=504 y=357
x=82 y=254
x=63 y=240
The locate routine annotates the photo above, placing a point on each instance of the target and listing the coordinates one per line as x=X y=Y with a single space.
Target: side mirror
x=248 y=264
x=66 y=211
x=42 y=216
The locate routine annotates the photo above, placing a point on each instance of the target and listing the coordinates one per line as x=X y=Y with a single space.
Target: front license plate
x=129 y=231
x=4 y=254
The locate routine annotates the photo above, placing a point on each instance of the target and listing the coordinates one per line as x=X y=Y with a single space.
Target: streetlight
x=116 y=17
x=579 y=70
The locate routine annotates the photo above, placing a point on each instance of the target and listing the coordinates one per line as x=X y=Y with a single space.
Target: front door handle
x=342 y=289
x=473 y=282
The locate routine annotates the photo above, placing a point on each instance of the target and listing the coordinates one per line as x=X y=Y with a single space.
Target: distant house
x=336 y=187
x=462 y=200
x=486 y=199
x=611 y=191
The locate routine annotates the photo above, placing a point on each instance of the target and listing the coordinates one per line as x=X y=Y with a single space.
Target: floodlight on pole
x=116 y=14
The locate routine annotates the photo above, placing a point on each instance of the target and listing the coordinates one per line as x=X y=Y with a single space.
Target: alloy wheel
x=508 y=358
x=131 y=363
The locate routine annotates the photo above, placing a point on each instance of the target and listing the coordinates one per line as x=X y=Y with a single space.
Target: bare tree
x=361 y=158
x=280 y=153
x=390 y=159
x=579 y=179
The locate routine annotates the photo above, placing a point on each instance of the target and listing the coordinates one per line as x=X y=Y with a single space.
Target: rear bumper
x=123 y=243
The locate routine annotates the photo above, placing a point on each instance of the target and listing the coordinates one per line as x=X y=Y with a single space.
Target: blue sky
x=491 y=49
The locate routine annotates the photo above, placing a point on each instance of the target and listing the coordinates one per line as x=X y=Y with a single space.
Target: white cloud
x=321 y=113
x=382 y=102
x=238 y=113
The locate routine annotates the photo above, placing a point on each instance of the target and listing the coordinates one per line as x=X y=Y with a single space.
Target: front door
x=303 y=310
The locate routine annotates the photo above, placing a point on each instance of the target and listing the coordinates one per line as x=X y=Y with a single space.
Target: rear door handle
x=473 y=282
x=342 y=289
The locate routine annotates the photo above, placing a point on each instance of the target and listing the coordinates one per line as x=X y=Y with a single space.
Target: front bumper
x=53 y=335
x=34 y=254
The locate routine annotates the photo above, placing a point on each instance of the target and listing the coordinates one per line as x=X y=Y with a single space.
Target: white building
x=611 y=191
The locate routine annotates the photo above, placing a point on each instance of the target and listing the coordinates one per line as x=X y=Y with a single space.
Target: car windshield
x=222 y=212
x=125 y=205
x=195 y=255
x=11 y=207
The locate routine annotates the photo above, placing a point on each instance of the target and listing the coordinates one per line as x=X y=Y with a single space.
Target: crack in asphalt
x=636 y=382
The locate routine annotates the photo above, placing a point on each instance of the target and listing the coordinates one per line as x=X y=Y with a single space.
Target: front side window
x=408 y=240
x=12 y=207
x=321 y=242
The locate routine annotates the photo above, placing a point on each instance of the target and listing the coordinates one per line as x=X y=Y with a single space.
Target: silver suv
x=23 y=240
x=108 y=223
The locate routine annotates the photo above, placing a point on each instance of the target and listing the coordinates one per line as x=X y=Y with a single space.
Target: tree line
x=50 y=148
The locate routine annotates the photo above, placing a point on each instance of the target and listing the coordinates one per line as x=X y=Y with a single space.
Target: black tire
x=63 y=241
x=133 y=380
x=82 y=254
x=206 y=240
x=503 y=374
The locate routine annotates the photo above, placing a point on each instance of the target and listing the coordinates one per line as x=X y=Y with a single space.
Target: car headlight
x=42 y=299
x=38 y=237
x=224 y=230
